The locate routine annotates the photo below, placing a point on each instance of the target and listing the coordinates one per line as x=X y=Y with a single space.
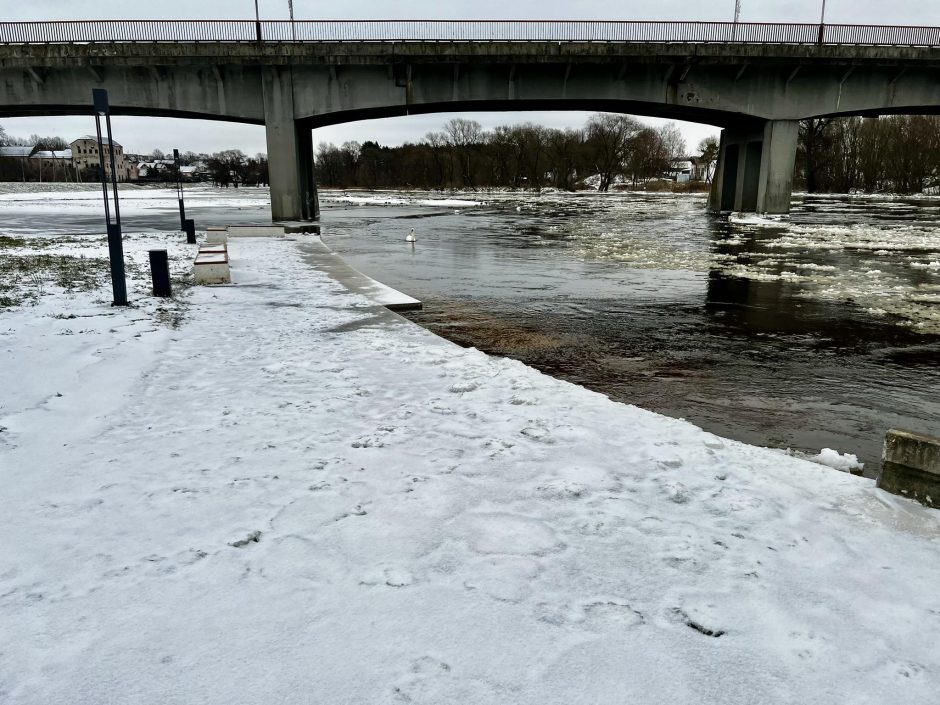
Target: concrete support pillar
x=776 y=168
x=290 y=150
x=755 y=168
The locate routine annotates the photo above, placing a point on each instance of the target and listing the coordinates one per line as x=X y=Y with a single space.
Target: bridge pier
x=290 y=150
x=755 y=168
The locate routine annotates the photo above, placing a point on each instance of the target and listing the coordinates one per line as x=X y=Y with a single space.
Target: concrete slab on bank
x=273 y=230
x=323 y=258
x=255 y=230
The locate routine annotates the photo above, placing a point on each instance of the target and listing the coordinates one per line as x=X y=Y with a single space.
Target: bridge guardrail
x=105 y=31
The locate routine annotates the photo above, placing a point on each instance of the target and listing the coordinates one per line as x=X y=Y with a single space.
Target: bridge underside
x=757 y=93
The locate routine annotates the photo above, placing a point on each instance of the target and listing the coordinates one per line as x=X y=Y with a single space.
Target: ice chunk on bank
x=846 y=462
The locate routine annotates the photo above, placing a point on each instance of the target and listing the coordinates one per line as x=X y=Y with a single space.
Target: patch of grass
x=24 y=278
x=8 y=241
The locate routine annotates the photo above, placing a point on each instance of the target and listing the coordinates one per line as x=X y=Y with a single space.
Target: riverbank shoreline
x=296 y=479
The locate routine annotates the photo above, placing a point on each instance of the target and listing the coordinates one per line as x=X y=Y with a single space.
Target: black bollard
x=190 y=231
x=160 y=273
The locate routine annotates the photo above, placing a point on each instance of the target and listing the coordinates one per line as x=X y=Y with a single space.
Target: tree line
x=899 y=154
x=896 y=154
x=230 y=167
x=610 y=148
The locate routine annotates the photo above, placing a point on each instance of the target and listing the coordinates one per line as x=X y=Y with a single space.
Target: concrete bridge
x=756 y=81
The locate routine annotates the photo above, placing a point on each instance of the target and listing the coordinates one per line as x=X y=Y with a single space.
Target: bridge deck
x=465 y=30
x=464 y=52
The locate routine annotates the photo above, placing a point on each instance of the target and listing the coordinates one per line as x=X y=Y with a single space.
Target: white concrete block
x=212 y=268
x=255 y=230
x=216 y=235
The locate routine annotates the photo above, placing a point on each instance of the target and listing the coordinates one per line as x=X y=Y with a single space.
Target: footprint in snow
x=438 y=408
x=677 y=492
x=504 y=578
x=607 y=613
x=538 y=434
x=395 y=577
x=462 y=387
x=562 y=489
x=419 y=684
x=368 y=443
x=503 y=533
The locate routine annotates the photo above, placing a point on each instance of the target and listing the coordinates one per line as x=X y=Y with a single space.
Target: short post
x=189 y=226
x=115 y=243
x=911 y=466
x=160 y=273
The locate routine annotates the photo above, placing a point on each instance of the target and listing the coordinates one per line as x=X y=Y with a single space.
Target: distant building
x=85 y=155
x=53 y=163
x=680 y=170
x=702 y=169
x=16 y=152
x=13 y=161
x=156 y=170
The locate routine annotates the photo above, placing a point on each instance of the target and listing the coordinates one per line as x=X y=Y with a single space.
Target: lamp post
x=737 y=16
x=822 y=22
x=115 y=244
x=179 y=188
x=290 y=9
x=257 y=21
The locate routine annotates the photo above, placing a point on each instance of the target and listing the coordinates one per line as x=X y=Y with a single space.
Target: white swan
x=410 y=237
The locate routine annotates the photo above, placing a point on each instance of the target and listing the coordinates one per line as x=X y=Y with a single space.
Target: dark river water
x=820 y=330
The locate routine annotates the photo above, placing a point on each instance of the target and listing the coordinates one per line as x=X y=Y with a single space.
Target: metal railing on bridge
x=105 y=31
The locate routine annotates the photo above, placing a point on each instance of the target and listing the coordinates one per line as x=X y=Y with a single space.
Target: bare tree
x=672 y=141
x=708 y=150
x=462 y=136
x=608 y=137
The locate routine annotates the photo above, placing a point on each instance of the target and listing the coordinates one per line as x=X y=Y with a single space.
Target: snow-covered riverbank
x=298 y=497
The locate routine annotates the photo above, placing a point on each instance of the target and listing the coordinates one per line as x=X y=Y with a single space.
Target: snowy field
x=293 y=496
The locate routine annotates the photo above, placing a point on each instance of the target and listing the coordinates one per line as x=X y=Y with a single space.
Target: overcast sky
x=139 y=134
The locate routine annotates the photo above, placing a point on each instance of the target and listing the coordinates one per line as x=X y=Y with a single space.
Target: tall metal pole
x=115 y=244
x=257 y=21
x=737 y=16
x=822 y=23
x=293 y=30
x=179 y=188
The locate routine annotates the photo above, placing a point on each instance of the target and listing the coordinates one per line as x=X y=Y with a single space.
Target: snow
x=834 y=459
x=297 y=496
x=84 y=199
